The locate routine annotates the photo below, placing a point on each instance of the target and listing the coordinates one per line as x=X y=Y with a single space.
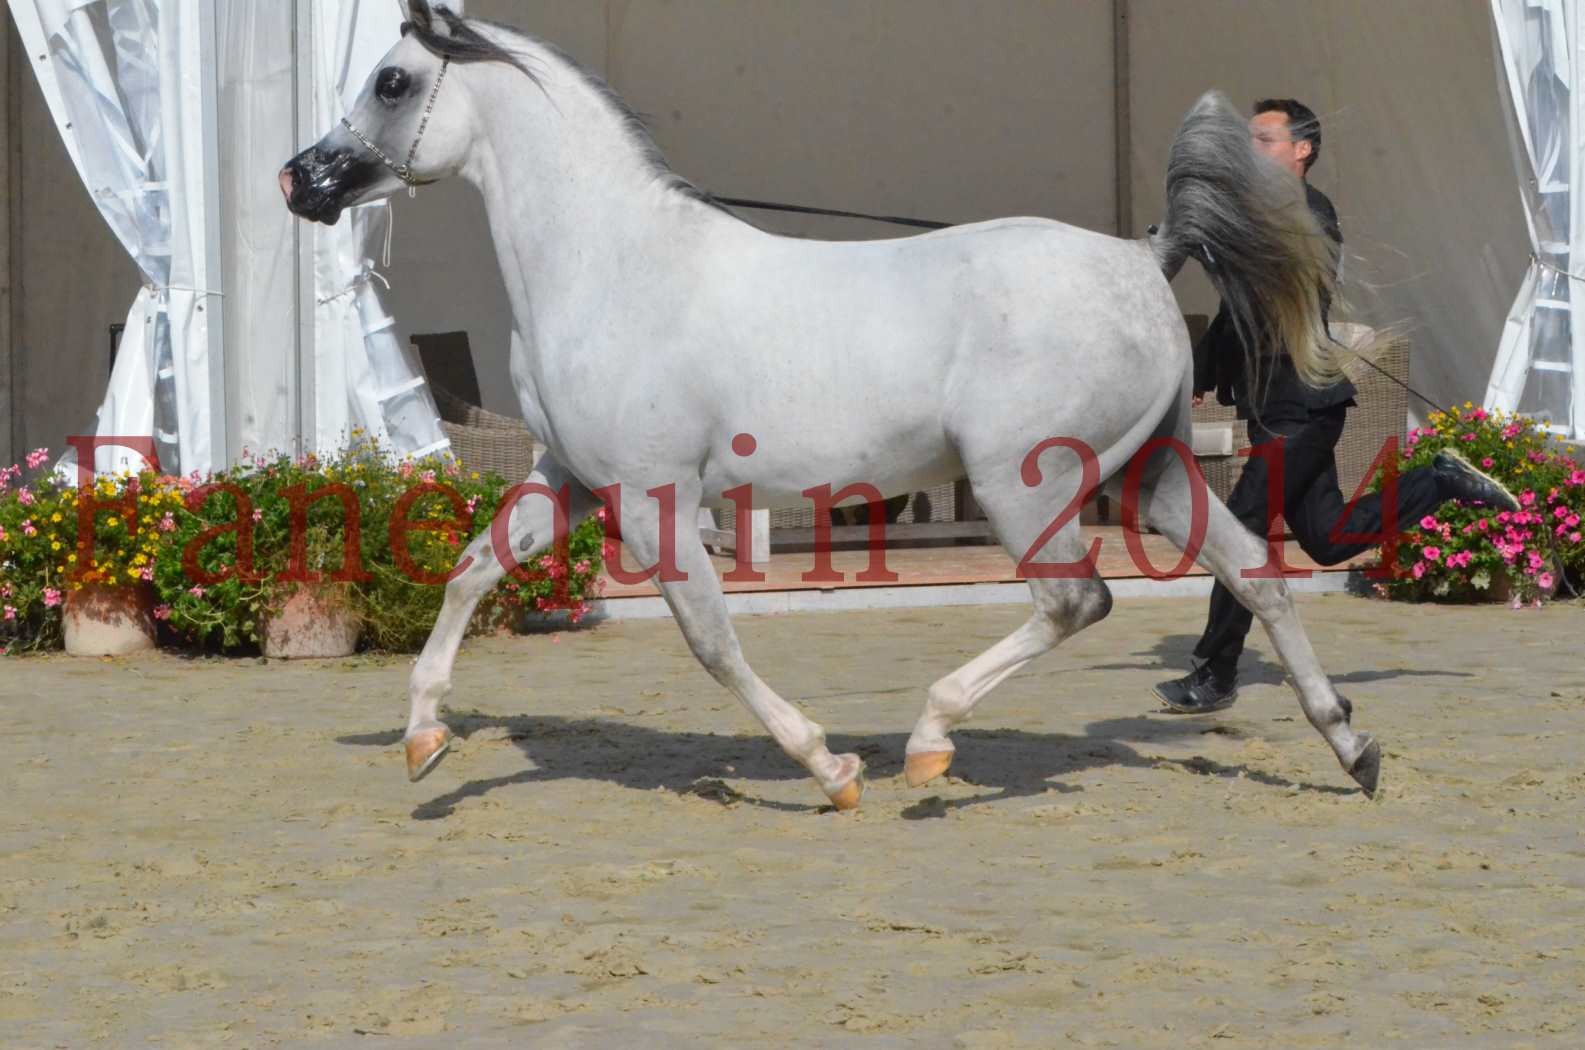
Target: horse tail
x=1248 y=223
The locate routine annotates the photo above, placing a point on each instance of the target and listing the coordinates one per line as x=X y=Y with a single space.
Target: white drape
x=1541 y=359
x=134 y=90
x=363 y=376
x=130 y=87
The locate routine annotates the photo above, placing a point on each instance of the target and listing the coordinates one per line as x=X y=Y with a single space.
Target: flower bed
x=225 y=551
x=1462 y=553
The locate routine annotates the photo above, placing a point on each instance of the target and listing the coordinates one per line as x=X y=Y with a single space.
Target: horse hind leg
x=1065 y=603
x=1229 y=550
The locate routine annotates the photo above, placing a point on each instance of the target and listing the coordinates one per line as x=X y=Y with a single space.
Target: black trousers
x=1313 y=505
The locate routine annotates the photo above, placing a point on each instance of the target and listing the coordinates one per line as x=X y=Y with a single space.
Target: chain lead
x=405 y=171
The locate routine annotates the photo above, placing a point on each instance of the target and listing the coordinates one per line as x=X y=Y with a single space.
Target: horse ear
x=415 y=15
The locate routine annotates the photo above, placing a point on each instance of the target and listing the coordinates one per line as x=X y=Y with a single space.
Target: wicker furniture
x=485 y=441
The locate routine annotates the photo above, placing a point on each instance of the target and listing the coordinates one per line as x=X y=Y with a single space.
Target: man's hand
x=1197 y=400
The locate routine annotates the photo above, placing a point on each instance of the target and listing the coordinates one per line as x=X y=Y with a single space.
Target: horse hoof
x=847 y=796
x=1366 y=769
x=924 y=767
x=425 y=749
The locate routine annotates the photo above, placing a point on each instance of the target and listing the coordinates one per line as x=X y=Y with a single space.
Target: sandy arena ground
x=211 y=853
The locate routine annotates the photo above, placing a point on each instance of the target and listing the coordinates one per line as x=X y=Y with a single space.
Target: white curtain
x=136 y=87
x=362 y=375
x=1541 y=359
x=129 y=85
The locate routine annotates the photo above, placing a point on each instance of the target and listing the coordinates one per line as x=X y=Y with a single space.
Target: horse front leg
x=530 y=530
x=700 y=609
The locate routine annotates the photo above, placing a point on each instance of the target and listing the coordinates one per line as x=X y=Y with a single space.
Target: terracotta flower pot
x=314 y=622
x=1502 y=589
x=103 y=620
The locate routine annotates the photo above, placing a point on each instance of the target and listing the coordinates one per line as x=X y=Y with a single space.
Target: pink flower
x=6 y=591
x=1483 y=524
x=1418 y=570
x=428 y=477
x=10 y=613
x=52 y=597
x=406 y=469
x=1488 y=462
x=1467 y=437
x=3 y=534
x=1479 y=415
x=1574 y=537
x=1572 y=520
x=1527 y=497
x=258 y=515
x=1544 y=581
x=25 y=496
x=196 y=591
x=37 y=458
x=1433 y=553
x=28 y=529
x=167 y=523
x=1428 y=522
x=472 y=504
x=146 y=573
x=162 y=612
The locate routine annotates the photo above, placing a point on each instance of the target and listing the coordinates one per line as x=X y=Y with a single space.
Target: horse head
x=410 y=125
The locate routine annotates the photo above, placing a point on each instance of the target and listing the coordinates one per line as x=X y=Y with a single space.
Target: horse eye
x=392 y=83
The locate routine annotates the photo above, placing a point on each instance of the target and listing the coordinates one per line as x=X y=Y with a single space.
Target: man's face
x=1273 y=137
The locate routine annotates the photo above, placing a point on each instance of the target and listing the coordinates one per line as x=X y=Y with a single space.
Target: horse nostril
x=287 y=180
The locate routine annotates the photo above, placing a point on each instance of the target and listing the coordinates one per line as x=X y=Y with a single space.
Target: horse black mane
x=462 y=42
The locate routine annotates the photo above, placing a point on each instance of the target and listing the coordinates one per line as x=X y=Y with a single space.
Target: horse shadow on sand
x=1171 y=654
x=1004 y=763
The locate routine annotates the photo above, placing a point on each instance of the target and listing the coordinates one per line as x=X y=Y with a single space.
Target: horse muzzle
x=317 y=183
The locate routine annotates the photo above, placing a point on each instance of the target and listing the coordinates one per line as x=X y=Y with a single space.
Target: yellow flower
x=55 y=546
x=72 y=558
x=56 y=517
x=113 y=522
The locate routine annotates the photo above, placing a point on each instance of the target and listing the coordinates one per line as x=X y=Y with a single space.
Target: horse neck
x=573 y=202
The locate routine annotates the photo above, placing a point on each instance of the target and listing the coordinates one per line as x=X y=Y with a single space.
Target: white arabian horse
x=651 y=328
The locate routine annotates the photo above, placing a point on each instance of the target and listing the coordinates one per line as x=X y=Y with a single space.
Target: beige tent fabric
x=1414 y=154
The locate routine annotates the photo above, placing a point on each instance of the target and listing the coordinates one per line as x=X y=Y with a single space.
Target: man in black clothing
x=1302 y=424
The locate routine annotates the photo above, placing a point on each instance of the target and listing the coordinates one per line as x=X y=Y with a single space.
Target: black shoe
x=1199 y=692
x=1457 y=478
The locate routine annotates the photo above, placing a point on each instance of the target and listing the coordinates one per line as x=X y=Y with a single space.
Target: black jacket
x=1219 y=358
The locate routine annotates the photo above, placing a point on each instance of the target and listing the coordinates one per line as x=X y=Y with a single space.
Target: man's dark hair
x=1302 y=123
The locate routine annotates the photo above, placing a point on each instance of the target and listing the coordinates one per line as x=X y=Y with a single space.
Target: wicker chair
x=1382 y=413
x=485 y=441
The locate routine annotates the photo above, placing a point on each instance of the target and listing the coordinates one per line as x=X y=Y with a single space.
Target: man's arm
x=1206 y=352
